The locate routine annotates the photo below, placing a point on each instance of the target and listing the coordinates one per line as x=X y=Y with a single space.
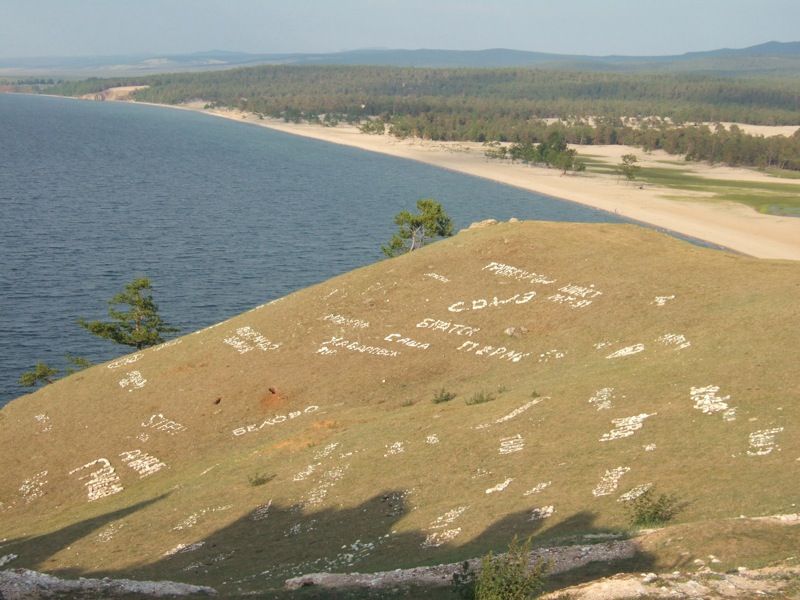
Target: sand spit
x=727 y=224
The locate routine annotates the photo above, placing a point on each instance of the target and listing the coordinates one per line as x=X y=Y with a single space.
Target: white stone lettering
x=662 y=300
x=627 y=351
x=537 y=488
x=276 y=420
x=437 y=277
x=551 y=355
x=499 y=352
x=395 y=448
x=33 y=488
x=317 y=495
x=500 y=486
x=677 y=340
x=132 y=380
x=184 y=548
x=169 y=344
x=161 y=423
x=101 y=482
x=763 y=442
x=125 y=360
x=406 y=341
x=448 y=327
x=518 y=411
x=601 y=399
x=346 y=321
x=609 y=482
x=634 y=493
x=247 y=339
x=261 y=512
x=330 y=346
x=625 y=427
x=45 y=425
x=141 y=462
x=305 y=473
x=440 y=534
x=107 y=534
x=512 y=444
x=537 y=514
x=7 y=558
x=707 y=401
x=193 y=518
x=504 y=270
x=575 y=296
x=439 y=538
x=326 y=451
x=481 y=303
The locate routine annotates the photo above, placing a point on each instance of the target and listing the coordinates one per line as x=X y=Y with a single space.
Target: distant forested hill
x=651 y=110
x=771 y=58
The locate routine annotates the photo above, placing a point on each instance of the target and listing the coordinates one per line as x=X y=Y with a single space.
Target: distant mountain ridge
x=769 y=57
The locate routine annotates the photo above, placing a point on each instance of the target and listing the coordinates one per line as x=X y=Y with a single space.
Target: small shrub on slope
x=479 y=398
x=260 y=479
x=649 y=510
x=443 y=396
x=509 y=576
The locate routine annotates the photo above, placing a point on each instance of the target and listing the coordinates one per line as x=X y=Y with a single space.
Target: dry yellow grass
x=369 y=473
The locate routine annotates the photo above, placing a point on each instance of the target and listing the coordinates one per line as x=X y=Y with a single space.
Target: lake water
x=221 y=216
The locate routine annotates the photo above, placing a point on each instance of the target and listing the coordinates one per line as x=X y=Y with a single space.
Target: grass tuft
x=443 y=396
x=480 y=398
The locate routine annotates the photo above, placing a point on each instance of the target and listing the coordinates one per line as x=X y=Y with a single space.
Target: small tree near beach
x=415 y=229
x=140 y=326
x=628 y=167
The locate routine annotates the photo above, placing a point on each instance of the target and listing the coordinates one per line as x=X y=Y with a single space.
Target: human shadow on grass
x=36 y=551
x=259 y=551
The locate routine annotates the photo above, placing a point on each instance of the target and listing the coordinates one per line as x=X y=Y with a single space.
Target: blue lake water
x=221 y=216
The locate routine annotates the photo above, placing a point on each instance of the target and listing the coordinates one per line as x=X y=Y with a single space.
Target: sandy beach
x=732 y=225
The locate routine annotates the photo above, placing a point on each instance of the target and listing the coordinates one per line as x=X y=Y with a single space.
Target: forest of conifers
x=647 y=110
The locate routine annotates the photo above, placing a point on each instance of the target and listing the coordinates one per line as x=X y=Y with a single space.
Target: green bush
x=479 y=398
x=260 y=479
x=443 y=396
x=510 y=576
x=651 y=510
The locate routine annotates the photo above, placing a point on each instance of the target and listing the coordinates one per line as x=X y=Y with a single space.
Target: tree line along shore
x=678 y=113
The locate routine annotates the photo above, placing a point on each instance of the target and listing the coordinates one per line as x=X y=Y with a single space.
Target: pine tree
x=140 y=326
x=41 y=373
x=414 y=230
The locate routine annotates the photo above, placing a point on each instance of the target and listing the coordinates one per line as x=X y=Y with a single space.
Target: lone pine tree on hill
x=415 y=230
x=140 y=326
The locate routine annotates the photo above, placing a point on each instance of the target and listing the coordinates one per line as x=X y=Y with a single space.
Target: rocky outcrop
x=561 y=558
x=23 y=584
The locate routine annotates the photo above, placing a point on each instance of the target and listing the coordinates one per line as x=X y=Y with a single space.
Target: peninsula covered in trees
x=679 y=113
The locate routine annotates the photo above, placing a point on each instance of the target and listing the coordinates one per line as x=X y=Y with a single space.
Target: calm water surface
x=221 y=216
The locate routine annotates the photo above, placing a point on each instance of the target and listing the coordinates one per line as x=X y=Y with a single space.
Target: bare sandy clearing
x=115 y=93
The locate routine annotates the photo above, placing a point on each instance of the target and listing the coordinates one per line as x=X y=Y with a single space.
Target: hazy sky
x=108 y=27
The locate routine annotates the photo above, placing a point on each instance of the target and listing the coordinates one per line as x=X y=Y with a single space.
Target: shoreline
x=729 y=225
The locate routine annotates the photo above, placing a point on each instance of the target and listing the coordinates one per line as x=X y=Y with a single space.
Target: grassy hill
x=587 y=361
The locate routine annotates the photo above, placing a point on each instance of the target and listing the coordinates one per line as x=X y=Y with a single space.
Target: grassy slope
x=738 y=313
